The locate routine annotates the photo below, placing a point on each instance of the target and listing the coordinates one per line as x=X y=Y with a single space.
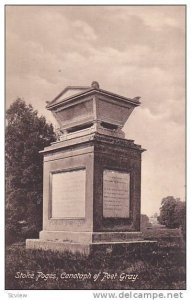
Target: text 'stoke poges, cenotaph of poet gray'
x=92 y=175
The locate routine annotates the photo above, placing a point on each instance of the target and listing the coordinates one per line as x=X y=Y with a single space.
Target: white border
x=72 y=294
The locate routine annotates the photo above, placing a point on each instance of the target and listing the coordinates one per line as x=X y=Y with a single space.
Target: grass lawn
x=161 y=268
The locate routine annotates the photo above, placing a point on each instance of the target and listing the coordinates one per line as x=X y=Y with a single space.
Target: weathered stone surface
x=95 y=161
x=36 y=244
x=89 y=237
x=87 y=249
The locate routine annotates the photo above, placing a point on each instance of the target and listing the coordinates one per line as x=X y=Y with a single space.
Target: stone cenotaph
x=92 y=174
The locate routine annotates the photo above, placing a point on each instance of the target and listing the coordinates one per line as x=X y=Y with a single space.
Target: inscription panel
x=116 y=194
x=68 y=194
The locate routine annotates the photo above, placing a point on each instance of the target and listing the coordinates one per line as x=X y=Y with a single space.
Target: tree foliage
x=172 y=212
x=26 y=135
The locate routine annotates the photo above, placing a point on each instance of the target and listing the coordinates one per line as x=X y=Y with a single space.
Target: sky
x=129 y=50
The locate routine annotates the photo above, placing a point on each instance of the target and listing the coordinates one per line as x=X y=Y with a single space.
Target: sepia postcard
x=95 y=150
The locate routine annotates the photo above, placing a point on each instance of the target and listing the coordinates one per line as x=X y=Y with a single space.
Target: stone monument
x=92 y=174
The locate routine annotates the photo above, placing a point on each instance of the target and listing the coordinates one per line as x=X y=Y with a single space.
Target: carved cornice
x=93 y=139
x=116 y=141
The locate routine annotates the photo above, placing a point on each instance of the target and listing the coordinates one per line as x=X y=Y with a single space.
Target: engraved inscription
x=115 y=194
x=68 y=194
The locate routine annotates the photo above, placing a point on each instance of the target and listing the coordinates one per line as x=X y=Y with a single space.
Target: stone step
x=125 y=242
x=116 y=236
x=90 y=237
x=87 y=249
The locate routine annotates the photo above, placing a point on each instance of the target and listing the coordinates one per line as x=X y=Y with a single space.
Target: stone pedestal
x=91 y=194
x=92 y=176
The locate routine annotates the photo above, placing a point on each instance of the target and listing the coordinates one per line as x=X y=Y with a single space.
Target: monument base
x=89 y=237
x=87 y=243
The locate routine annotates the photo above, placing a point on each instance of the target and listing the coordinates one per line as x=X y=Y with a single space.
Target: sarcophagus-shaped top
x=81 y=110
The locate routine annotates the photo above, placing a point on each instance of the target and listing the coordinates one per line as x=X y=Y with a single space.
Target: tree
x=26 y=134
x=145 y=223
x=172 y=212
x=180 y=214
